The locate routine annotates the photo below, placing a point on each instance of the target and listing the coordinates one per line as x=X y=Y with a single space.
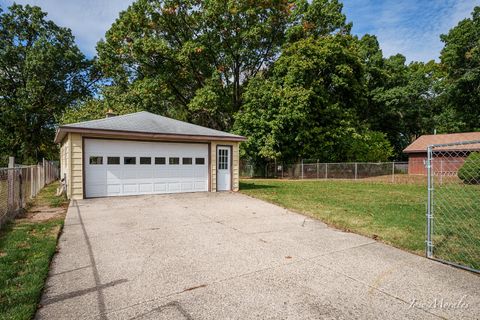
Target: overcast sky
x=409 y=27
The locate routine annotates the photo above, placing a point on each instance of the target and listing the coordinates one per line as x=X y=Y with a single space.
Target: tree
x=402 y=99
x=307 y=107
x=407 y=101
x=316 y=19
x=41 y=72
x=460 y=59
x=195 y=57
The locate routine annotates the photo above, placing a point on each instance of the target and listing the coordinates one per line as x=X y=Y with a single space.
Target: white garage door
x=119 y=167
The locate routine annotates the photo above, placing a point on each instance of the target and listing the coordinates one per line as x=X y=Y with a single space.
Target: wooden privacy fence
x=19 y=184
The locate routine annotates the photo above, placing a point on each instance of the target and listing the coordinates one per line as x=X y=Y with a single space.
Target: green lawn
x=392 y=213
x=26 y=248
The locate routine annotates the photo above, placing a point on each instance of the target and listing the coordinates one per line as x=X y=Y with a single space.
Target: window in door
x=223 y=159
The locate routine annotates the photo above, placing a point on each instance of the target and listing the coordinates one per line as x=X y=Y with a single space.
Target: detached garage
x=144 y=153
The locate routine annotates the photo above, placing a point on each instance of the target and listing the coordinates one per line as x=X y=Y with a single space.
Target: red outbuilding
x=451 y=160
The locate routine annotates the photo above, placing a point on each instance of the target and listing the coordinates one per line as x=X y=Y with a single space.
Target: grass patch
x=26 y=248
x=48 y=197
x=456 y=223
x=392 y=213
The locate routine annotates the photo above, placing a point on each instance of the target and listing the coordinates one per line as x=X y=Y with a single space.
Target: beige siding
x=77 y=166
x=236 y=167
x=63 y=158
x=235 y=164
x=68 y=144
x=213 y=166
x=71 y=158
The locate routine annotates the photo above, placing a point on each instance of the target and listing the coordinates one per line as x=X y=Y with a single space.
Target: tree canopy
x=41 y=73
x=287 y=74
x=460 y=59
x=194 y=57
x=308 y=106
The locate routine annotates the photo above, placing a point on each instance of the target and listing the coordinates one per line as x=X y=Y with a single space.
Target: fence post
x=393 y=172
x=302 y=168
x=37 y=183
x=429 y=245
x=317 y=169
x=21 y=200
x=275 y=169
x=11 y=184
x=326 y=170
x=43 y=173
x=355 y=171
x=32 y=182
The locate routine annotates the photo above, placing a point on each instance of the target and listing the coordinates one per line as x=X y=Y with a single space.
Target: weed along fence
x=392 y=172
x=19 y=184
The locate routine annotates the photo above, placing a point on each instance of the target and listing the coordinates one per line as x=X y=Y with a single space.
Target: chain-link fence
x=390 y=172
x=19 y=184
x=453 y=209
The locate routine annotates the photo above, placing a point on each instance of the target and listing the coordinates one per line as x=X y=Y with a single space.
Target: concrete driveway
x=229 y=256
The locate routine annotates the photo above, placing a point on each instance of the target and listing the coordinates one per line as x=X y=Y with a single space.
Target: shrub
x=470 y=171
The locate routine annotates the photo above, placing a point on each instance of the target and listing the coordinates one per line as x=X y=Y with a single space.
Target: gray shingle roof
x=146 y=122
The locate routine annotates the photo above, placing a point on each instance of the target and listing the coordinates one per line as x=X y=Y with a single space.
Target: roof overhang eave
x=414 y=151
x=63 y=130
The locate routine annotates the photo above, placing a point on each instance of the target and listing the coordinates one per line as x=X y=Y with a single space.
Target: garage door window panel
x=95 y=160
x=113 y=160
x=160 y=160
x=187 y=161
x=129 y=160
x=199 y=161
x=173 y=160
x=145 y=160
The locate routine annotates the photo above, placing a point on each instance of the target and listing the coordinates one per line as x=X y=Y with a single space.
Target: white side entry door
x=224 y=179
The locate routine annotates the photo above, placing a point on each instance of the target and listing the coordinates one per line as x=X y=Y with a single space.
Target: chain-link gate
x=453 y=208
